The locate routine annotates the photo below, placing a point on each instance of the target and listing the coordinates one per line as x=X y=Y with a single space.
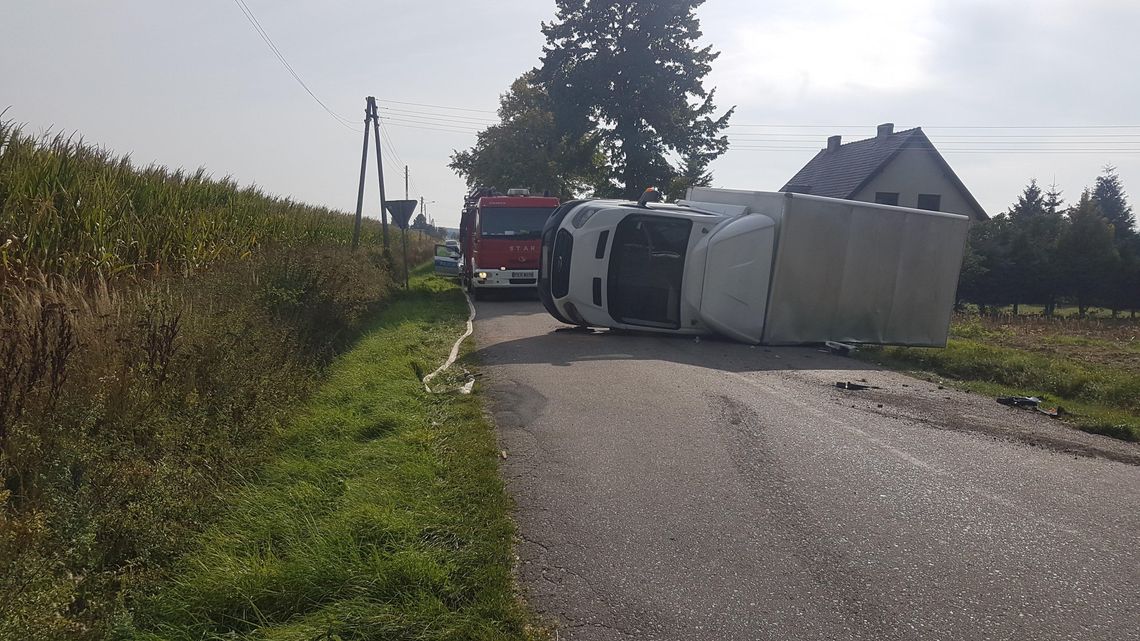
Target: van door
x=446 y=260
x=647 y=265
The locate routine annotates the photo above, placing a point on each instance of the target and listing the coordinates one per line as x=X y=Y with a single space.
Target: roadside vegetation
x=1042 y=254
x=1089 y=366
x=157 y=330
x=380 y=514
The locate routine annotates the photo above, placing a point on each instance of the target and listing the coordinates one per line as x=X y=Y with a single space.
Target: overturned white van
x=758 y=267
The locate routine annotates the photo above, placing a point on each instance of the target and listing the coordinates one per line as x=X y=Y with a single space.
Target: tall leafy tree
x=633 y=71
x=1088 y=254
x=1108 y=192
x=527 y=148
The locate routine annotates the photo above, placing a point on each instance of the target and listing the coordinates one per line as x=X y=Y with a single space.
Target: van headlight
x=483 y=275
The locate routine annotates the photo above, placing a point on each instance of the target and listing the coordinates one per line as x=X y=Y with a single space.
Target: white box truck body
x=758 y=267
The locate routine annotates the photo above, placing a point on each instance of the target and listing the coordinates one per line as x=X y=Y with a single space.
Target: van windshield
x=514 y=222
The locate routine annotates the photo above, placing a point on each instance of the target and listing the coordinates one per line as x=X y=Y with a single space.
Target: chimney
x=833 y=143
x=885 y=129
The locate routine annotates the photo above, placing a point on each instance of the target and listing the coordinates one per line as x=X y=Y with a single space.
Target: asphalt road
x=673 y=489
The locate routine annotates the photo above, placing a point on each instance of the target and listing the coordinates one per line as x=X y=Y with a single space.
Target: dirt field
x=1089 y=366
x=1093 y=341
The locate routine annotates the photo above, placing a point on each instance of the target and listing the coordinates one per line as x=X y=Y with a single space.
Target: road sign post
x=401 y=211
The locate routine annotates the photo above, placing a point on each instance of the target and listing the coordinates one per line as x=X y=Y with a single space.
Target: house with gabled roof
x=893 y=168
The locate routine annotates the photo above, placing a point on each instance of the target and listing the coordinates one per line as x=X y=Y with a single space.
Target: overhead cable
x=345 y=122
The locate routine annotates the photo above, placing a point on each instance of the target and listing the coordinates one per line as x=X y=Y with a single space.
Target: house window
x=929 y=201
x=887 y=197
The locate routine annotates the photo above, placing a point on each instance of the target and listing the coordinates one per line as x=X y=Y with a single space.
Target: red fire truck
x=500 y=239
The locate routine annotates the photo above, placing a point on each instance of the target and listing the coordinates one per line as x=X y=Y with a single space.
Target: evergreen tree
x=1126 y=286
x=1088 y=254
x=1053 y=202
x=631 y=70
x=1113 y=203
x=694 y=173
x=527 y=149
x=1030 y=204
x=1035 y=229
x=987 y=273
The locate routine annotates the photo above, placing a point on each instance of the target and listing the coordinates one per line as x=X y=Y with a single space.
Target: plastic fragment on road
x=1030 y=402
x=841 y=349
x=848 y=385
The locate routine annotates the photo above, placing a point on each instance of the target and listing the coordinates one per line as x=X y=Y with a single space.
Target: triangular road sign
x=401 y=211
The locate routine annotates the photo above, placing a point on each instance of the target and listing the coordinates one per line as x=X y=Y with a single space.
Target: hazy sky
x=192 y=84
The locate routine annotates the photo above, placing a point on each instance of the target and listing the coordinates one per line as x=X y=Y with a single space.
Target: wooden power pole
x=370 y=115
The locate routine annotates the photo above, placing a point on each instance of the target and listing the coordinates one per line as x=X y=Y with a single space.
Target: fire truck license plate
x=522 y=274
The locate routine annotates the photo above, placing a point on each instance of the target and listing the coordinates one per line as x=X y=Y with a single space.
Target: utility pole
x=370 y=114
x=406 y=198
x=423 y=210
x=360 y=191
x=380 y=168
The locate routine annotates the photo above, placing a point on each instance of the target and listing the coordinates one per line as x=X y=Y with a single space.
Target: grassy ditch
x=382 y=515
x=1090 y=368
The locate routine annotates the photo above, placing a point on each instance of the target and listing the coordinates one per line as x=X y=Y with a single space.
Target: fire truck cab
x=501 y=238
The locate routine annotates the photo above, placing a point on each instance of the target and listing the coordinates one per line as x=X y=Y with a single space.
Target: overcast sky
x=192 y=84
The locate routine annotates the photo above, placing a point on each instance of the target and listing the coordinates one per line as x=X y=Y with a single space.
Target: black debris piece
x=1030 y=402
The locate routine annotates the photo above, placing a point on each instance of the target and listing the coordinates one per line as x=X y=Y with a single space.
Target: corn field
x=72 y=209
x=156 y=326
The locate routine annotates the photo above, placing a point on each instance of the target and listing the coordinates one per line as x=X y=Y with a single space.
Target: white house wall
x=914 y=172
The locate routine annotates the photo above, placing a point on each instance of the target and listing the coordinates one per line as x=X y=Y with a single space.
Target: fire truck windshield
x=514 y=222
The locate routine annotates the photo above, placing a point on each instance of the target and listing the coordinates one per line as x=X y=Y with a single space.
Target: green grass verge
x=382 y=517
x=1098 y=399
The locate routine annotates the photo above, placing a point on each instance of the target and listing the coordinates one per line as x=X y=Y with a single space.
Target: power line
x=943 y=136
x=864 y=127
x=861 y=127
x=974 y=144
x=435 y=116
x=387 y=138
x=419 y=125
x=248 y=13
x=421 y=104
x=956 y=150
x=432 y=120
